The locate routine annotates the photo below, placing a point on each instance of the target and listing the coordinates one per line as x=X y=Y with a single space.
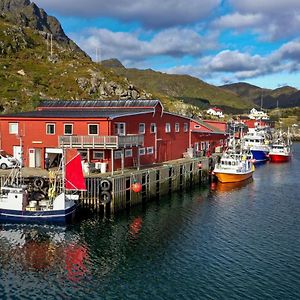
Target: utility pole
x=51 y=45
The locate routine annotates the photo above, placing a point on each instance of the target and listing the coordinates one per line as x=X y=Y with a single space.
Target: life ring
x=105 y=185
x=105 y=197
x=39 y=182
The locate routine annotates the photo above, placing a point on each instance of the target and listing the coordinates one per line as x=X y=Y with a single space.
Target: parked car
x=7 y=160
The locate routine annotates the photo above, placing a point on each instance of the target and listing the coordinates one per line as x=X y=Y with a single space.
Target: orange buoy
x=136 y=187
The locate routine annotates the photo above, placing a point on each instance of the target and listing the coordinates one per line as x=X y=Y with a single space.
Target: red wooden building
x=206 y=138
x=117 y=134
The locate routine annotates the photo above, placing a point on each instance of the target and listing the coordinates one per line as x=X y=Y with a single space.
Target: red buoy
x=136 y=187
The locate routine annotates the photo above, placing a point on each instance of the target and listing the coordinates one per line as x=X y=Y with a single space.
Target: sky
x=218 y=41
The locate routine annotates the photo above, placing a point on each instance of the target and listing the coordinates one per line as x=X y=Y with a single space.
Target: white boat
x=16 y=204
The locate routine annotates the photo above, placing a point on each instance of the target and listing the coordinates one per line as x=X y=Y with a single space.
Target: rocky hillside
x=187 y=88
x=30 y=71
x=285 y=96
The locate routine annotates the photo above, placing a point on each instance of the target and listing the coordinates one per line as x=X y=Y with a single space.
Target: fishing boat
x=257 y=143
x=234 y=167
x=18 y=205
x=281 y=149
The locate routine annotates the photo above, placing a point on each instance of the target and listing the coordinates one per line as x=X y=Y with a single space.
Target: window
x=142 y=151
x=120 y=129
x=93 y=129
x=202 y=145
x=168 y=127
x=177 y=127
x=197 y=126
x=141 y=128
x=50 y=128
x=197 y=146
x=13 y=128
x=68 y=129
x=98 y=155
x=185 y=127
x=153 y=128
x=118 y=154
x=128 y=152
x=150 y=150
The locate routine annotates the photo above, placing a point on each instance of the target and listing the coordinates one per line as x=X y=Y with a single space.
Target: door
x=31 y=158
x=35 y=158
x=17 y=153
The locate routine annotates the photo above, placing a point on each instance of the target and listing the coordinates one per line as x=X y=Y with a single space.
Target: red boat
x=280 y=153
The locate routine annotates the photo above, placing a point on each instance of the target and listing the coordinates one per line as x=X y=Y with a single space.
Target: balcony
x=101 y=142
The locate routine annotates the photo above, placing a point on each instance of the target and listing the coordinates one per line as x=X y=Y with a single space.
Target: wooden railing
x=102 y=142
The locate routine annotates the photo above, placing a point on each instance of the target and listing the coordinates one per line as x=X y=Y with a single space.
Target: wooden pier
x=108 y=193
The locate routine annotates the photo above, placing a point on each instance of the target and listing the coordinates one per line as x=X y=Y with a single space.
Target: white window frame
x=168 y=128
x=143 y=127
x=54 y=129
x=92 y=124
x=99 y=152
x=197 y=146
x=68 y=124
x=83 y=154
x=177 y=127
x=128 y=152
x=118 y=154
x=150 y=150
x=153 y=128
x=142 y=151
x=202 y=145
x=185 y=127
x=117 y=130
x=197 y=126
x=13 y=128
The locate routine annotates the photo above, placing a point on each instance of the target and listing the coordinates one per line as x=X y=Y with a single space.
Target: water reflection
x=41 y=249
x=229 y=187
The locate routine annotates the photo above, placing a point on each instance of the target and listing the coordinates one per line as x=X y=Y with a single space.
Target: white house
x=214 y=111
x=258 y=115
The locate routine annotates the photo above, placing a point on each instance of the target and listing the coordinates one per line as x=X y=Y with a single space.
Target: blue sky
x=218 y=41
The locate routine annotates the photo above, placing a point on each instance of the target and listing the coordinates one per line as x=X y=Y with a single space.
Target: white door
x=17 y=153
x=31 y=158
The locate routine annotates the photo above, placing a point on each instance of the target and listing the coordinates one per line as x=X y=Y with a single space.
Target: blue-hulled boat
x=258 y=145
x=17 y=205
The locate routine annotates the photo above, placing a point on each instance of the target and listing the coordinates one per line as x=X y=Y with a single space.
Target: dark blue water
x=223 y=242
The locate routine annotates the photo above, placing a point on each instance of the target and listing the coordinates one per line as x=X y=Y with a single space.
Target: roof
x=88 y=104
x=111 y=114
x=208 y=126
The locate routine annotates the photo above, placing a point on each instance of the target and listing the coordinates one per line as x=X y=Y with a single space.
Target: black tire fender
x=39 y=182
x=105 y=197
x=105 y=185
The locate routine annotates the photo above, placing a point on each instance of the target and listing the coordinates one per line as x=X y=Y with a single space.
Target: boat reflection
x=228 y=187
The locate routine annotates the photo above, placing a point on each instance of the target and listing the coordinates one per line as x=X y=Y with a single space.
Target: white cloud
x=151 y=13
x=236 y=66
x=271 y=20
x=172 y=42
x=238 y=21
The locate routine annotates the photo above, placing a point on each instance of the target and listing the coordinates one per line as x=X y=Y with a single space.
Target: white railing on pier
x=103 y=142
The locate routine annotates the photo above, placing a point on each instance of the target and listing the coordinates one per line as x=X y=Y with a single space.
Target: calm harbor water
x=218 y=242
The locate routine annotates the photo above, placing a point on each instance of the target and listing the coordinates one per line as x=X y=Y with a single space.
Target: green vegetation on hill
x=184 y=87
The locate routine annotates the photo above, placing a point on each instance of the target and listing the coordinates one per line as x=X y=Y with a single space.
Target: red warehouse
x=116 y=134
x=205 y=138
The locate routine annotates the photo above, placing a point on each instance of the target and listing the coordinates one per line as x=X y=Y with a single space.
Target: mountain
x=184 y=87
x=284 y=97
x=33 y=68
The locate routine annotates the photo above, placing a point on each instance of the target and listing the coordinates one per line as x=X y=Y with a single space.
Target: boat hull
x=279 y=157
x=229 y=177
x=259 y=155
x=55 y=216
